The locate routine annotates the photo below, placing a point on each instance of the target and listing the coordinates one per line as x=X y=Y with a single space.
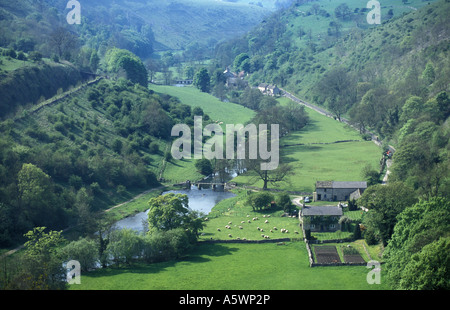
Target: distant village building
x=234 y=80
x=338 y=191
x=321 y=218
x=269 y=90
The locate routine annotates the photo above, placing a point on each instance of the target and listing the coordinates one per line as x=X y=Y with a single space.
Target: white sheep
x=240 y=227
x=258 y=228
x=266 y=221
x=275 y=228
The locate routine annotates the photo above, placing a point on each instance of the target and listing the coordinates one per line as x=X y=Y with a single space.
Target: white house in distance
x=338 y=191
x=270 y=90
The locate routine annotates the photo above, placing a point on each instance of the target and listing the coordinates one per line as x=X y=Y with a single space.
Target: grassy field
x=226 y=112
x=235 y=211
x=233 y=267
x=314 y=161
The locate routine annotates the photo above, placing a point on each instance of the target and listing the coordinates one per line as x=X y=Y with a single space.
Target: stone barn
x=321 y=218
x=338 y=191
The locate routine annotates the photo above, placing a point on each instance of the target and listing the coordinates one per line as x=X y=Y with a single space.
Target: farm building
x=269 y=90
x=321 y=218
x=338 y=191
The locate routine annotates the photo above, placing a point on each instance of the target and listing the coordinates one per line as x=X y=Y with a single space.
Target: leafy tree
x=417 y=256
x=171 y=211
x=240 y=60
x=204 y=166
x=202 y=80
x=123 y=245
x=284 y=201
x=83 y=250
x=36 y=195
x=41 y=267
x=260 y=200
x=119 y=59
x=385 y=202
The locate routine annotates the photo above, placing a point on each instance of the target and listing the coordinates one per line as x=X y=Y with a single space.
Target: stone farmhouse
x=321 y=218
x=338 y=191
x=269 y=90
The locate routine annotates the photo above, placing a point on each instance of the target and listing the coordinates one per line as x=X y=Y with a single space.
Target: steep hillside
x=33 y=82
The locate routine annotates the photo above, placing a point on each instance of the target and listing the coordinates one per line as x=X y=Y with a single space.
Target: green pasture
x=226 y=112
x=315 y=157
x=232 y=267
x=243 y=222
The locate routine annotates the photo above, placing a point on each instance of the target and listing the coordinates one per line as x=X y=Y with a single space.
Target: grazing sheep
x=264 y=215
x=229 y=223
x=218 y=229
x=248 y=221
x=266 y=221
x=229 y=235
x=262 y=235
x=242 y=222
x=296 y=232
x=258 y=228
x=283 y=230
x=240 y=227
x=262 y=229
x=271 y=231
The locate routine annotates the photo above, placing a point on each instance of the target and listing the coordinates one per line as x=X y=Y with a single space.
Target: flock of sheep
x=282 y=230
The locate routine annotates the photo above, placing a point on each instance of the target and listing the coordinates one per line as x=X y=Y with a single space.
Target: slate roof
x=335 y=184
x=321 y=210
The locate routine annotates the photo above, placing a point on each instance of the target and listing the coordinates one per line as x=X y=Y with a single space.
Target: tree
x=63 y=41
x=123 y=245
x=171 y=211
x=118 y=60
x=83 y=250
x=385 y=202
x=202 y=80
x=41 y=266
x=273 y=177
x=338 y=89
x=260 y=200
x=239 y=60
x=284 y=201
x=36 y=195
x=343 y=12
x=94 y=61
x=204 y=166
x=417 y=257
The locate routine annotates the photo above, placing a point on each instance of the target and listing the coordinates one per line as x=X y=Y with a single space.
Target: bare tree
x=63 y=42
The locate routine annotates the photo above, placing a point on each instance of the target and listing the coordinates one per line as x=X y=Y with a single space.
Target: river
x=202 y=200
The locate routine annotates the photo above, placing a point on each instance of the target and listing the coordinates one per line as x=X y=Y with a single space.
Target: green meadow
x=226 y=112
x=233 y=267
x=315 y=157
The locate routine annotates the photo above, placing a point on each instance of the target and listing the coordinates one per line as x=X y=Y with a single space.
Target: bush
x=84 y=250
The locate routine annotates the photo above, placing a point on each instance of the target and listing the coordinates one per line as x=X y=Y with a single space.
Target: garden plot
x=326 y=255
x=351 y=255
